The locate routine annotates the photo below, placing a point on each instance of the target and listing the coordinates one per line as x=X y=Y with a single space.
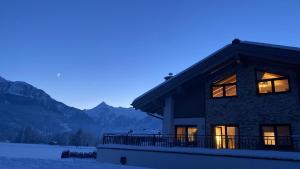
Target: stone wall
x=249 y=110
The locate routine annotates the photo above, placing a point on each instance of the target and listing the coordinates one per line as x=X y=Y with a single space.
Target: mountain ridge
x=23 y=106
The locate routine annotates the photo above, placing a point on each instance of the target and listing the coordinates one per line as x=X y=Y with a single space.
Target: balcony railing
x=290 y=143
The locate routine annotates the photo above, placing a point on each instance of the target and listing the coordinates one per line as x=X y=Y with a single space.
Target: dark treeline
x=30 y=135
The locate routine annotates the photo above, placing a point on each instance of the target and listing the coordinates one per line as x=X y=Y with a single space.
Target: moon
x=58 y=74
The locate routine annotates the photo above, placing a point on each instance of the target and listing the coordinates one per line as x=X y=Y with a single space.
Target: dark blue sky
x=115 y=50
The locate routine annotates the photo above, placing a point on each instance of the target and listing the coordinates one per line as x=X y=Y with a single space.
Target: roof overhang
x=152 y=100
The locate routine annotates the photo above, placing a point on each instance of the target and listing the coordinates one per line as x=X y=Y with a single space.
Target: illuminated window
x=220 y=137
x=269 y=135
x=276 y=135
x=192 y=133
x=271 y=83
x=226 y=137
x=186 y=133
x=180 y=133
x=225 y=87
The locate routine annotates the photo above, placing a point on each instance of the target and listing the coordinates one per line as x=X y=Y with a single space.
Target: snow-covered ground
x=34 y=156
x=38 y=151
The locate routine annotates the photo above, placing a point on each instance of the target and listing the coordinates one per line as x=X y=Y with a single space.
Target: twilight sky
x=84 y=52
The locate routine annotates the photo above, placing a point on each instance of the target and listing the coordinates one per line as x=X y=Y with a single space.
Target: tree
x=77 y=138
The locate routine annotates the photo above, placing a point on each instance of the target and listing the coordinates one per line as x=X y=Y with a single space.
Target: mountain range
x=29 y=114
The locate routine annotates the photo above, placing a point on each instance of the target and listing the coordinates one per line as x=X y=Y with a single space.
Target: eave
x=151 y=101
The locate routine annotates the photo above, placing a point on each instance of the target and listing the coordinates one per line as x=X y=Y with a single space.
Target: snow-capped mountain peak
x=104 y=109
x=23 y=106
x=102 y=106
x=120 y=119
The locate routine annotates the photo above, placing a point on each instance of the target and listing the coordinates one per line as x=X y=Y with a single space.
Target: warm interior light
x=218 y=91
x=230 y=90
x=192 y=134
x=226 y=85
x=180 y=133
x=186 y=133
x=218 y=136
x=269 y=135
x=269 y=138
x=267 y=80
x=281 y=85
x=230 y=79
x=231 y=136
x=225 y=137
x=266 y=75
x=265 y=87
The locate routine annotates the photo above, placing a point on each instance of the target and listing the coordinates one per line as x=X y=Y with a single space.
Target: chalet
x=245 y=95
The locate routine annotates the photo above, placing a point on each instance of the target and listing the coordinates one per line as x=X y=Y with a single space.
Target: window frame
x=275 y=128
x=213 y=134
x=257 y=81
x=212 y=85
x=186 y=135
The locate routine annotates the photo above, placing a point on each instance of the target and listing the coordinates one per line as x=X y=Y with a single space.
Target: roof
x=285 y=54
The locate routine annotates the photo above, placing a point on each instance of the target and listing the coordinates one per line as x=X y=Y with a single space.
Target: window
x=269 y=135
x=192 y=133
x=186 y=133
x=283 y=134
x=180 y=133
x=226 y=137
x=225 y=87
x=271 y=83
x=276 y=135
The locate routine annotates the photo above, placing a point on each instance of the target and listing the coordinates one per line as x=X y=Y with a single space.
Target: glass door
x=220 y=137
x=232 y=138
x=225 y=136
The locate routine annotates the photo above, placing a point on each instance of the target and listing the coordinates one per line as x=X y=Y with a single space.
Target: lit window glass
x=225 y=87
x=276 y=135
x=228 y=80
x=231 y=137
x=271 y=83
x=186 y=134
x=281 y=85
x=269 y=135
x=180 y=133
x=230 y=90
x=218 y=91
x=226 y=137
x=265 y=87
x=267 y=75
x=192 y=133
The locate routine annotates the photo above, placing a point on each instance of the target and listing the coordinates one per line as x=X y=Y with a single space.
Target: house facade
x=245 y=93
